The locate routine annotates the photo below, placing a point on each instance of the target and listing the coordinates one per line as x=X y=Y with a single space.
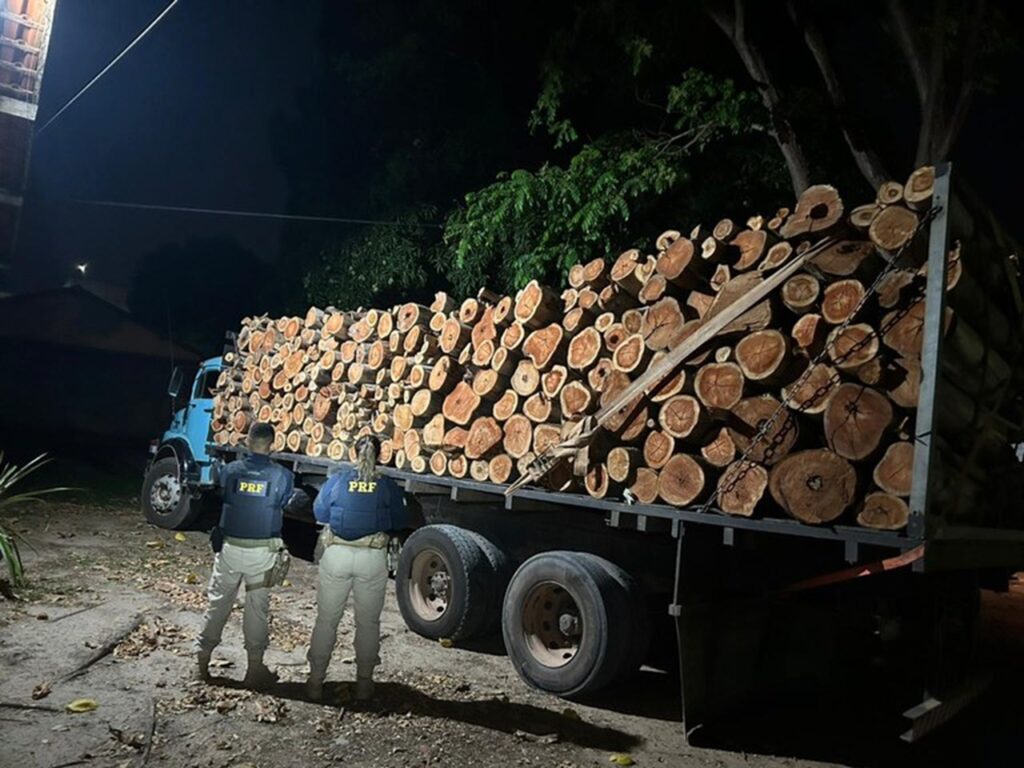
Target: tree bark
x=814 y=486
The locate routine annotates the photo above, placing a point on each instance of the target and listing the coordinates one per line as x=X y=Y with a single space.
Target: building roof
x=74 y=317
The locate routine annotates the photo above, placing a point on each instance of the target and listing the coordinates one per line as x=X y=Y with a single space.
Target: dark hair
x=367 y=450
x=261 y=434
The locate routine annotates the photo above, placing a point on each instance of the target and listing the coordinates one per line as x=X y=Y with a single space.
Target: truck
x=586 y=590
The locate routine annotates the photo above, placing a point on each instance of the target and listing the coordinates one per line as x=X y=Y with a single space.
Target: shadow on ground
x=495 y=714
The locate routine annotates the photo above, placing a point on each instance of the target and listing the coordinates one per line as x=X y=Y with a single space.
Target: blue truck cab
x=181 y=468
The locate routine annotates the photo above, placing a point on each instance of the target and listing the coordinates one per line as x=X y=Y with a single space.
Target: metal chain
x=790 y=423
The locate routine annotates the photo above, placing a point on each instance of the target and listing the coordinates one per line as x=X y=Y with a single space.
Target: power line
x=257 y=214
x=107 y=68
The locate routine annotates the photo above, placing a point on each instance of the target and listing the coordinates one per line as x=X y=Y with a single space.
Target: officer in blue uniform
x=359 y=508
x=255 y=491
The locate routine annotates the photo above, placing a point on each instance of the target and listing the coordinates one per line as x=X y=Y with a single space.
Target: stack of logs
x=479 y=388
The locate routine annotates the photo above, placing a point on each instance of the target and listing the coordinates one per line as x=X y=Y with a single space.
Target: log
x=700 y=302
x=862 y=216
x=662 y=324
x=800 y=293
x=576 y=278
x=630 y=420
x=751 y=244
x=776 y=256
x=576 y=319
x=439 y=463
x=654 y=289
x=645 y=487
x=853 y=346
x=813 y=390
x=489 y=384
x=724 y=230
x=741 y=488
x=517 y=436
x=454 y=336
x=855 y=420
x=595 y=273
x=720 y=277
x=442 y=303
x=673 y=384
x=762 y=355
x=889 y=193
x=540 y=409
x=512 y=337
x=546 y=346
x=903 y=329
x=544 y=436
x=721 y=451
x=445 y=374
x=469 y=311
x=576 y=400
x=719 y=386
x=614 y=335
x=504 y=362
x=680 y=481
x=484 y=329
x=455 y=439
x=747 y=419
x=504 y=312
x=623 y=272
x=631 y=354
x=596 y=480
x=809 y=334
x=461 y=404
x=485 y=436
x=633 y=320
x=552 y=381
x=537 y=305
x=596 y=376
x=658 y=448
x=587 y=300
x=684 y=418
x=411 y=443
x=841 y=300
x=917 y=192
x=843 y=258
x=412 y=314
x=906 y=391
x=676 y=264
x=818 y=210
x=893 y=228
x=584 y=349
x=814 y=486
x=614 y=299
x=434 y=431
x=418 y=464
x=425 y=402
x=500 y=468
x=458 y=466
x=526 y=379
x=756 y=318
x=506 y=405
x=883 y=511
x=894 y=471
x=483 y=353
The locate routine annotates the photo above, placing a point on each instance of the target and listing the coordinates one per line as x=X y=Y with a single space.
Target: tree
x=199 y=289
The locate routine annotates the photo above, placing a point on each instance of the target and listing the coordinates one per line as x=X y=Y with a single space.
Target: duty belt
x=272 y=544
x=373 y=541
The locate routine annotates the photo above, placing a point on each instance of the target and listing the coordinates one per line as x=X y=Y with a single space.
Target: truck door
x=198 y=415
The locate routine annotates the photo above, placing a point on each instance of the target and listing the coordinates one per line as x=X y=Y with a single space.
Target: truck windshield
x=205 y=382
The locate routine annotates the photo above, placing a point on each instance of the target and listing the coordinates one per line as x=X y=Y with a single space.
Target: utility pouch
x=323 y=541
x=279 y=570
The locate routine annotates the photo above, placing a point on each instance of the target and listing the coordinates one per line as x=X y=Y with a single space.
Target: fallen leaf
x=446 y=642
x=82 y=705
x=41 y=691
x=155 y=544
x=191 y=578
x=179 y=536
x=620 y=758
x=286 y=583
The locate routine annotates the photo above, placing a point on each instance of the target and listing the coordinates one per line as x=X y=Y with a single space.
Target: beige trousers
x=363 y=572
x=231 y=566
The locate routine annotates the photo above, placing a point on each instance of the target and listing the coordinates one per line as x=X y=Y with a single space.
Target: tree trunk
x=815 y=389
x=506 y=405
x=518 y=436
x=526 y=379
x=883 y=511
x=748 y=417
x=537 y=305
x=741 y=487
x=894 y=472
x=763 y=355
x=631 y=354
x=658 y=449
x=893 y=228
x=684 y=418
x=584 y=349
x=576 y=400
x=485 y=436
x=546 y=346
x=721 y=451
x=719 y=386
x=842 y=298
x=680 y=481
x=800 y=293
x=461 y=404
x=853 y=346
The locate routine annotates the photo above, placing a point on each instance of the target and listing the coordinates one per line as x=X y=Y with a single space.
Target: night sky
x=184 y=119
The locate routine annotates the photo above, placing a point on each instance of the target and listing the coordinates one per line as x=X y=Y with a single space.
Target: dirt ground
x=99 y=570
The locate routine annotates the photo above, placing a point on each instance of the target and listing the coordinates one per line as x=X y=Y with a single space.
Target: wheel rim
x=429 y=584
x=165 y=494
x=552 y=624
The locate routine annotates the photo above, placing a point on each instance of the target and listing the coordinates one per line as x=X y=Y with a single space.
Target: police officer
x=255 y=491
x=360 y=507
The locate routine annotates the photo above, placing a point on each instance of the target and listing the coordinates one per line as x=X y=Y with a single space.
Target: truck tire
x=166 y=501
x=567 y=623
x=501 y=575
x=639 y=620
x=444 y=583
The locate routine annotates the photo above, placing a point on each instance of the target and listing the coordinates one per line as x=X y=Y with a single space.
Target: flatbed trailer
x=749 y=598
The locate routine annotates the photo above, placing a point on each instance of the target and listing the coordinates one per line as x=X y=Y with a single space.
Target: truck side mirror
x=174 y=385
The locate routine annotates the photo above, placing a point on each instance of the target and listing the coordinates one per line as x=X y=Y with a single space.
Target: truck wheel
x=567 y=622
x=165 y=499
x=639 y=621
x=444 y=583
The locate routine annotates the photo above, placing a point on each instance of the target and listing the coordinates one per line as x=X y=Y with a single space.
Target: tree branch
x=968 y=82
x=932 y=111
x=733 y=25
x=868 y=161
x=906 y=37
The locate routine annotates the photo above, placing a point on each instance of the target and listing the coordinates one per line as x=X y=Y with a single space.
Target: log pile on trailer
x=802 y=405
